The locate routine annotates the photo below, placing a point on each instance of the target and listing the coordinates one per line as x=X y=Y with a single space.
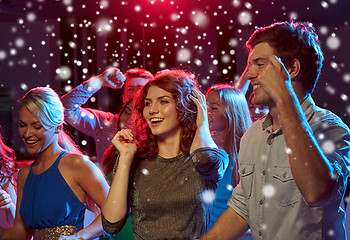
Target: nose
x=26 y=132
x=252 y=71
x=153 y=108
x=249 y=74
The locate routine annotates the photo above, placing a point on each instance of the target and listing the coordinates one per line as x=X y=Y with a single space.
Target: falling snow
x=42 y=46
x=268 y=191
x=145 y=171
x=208 y=196
x=328 y=147
x=333 y=42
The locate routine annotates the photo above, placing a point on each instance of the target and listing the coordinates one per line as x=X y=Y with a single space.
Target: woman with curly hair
x=167 y=166
x=8 y=197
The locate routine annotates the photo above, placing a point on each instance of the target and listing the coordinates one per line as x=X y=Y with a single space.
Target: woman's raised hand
x=124 y=142
x=199 y=100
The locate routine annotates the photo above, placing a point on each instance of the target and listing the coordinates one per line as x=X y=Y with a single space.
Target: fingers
x=5 y=200
x=114 y=77
x=277 y=62
x=199 y=98
x=123 y=136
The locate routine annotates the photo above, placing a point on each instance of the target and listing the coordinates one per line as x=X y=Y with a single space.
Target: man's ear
x=294 y=69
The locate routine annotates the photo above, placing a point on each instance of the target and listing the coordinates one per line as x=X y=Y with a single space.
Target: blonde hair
x=46 y=105
x=238 y=119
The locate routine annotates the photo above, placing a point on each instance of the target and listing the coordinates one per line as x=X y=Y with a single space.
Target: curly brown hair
x=180 y=84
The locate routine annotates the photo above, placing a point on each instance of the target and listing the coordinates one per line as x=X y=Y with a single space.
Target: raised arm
x=311 y=170
x=243 y=83
x=115 y=208
x=84 y=119
x=202 y=137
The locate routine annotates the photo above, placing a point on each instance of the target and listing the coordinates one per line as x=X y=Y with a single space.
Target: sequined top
x=171 y=198
x=48 y=201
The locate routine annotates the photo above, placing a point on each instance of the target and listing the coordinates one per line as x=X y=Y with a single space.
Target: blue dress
x=222 y=195
x=48 y=201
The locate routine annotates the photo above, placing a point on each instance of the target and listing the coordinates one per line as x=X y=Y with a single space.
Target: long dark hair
x=111 y=153
x=180 y=84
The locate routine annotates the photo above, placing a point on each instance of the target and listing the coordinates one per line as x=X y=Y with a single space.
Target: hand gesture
x=275 y=79
x=5 y=200
x=112 y=78
x=124 y=142
x=199 y=100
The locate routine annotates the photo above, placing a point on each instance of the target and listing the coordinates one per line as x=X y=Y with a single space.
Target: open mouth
x=31 y=142
x=256 y=86
x=156 y=120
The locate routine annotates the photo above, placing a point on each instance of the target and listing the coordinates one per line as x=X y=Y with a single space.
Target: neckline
x=163 y=159
x=53 y=164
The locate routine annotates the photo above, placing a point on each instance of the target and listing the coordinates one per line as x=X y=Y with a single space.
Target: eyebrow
x=214 y=103
x=258 y=59
x=161 y=97
x=33 y=123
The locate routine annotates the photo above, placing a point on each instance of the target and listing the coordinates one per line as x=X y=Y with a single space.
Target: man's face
x=258 y=60
x=131 y=86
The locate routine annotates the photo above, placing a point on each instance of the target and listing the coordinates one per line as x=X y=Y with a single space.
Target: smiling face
x=160 y=113
x=216 y=113
x=258 y=60
x=36 y=138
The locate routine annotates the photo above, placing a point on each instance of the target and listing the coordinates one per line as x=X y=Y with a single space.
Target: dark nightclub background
x=61 y=43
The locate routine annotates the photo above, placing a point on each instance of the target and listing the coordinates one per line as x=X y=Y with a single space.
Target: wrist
x=76 y=236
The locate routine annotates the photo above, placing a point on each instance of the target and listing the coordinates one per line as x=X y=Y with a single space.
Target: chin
x=32 y=151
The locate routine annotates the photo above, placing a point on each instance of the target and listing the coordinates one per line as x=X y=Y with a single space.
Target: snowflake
x=268 y=191
x=328 y=147
x=333 y=42
x=208 y=196
x=245 y=17
x=200 y=19
x=64 y=72
x=145 y=171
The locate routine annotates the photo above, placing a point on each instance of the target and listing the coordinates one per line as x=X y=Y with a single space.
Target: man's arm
x=228 y=226
x=243 y=83
x=310 y=168
x=84 y=119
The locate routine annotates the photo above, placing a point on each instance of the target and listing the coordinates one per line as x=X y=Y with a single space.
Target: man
x=294 y=162
x=98 y=124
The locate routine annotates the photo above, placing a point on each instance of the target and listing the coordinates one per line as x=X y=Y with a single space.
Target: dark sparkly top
x=170 y=198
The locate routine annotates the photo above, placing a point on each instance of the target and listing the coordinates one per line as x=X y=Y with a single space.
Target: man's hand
x=275 y=79
x=112 y=78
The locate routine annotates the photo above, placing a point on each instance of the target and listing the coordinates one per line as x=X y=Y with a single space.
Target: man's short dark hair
x=138 y=73
x=293 y=40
